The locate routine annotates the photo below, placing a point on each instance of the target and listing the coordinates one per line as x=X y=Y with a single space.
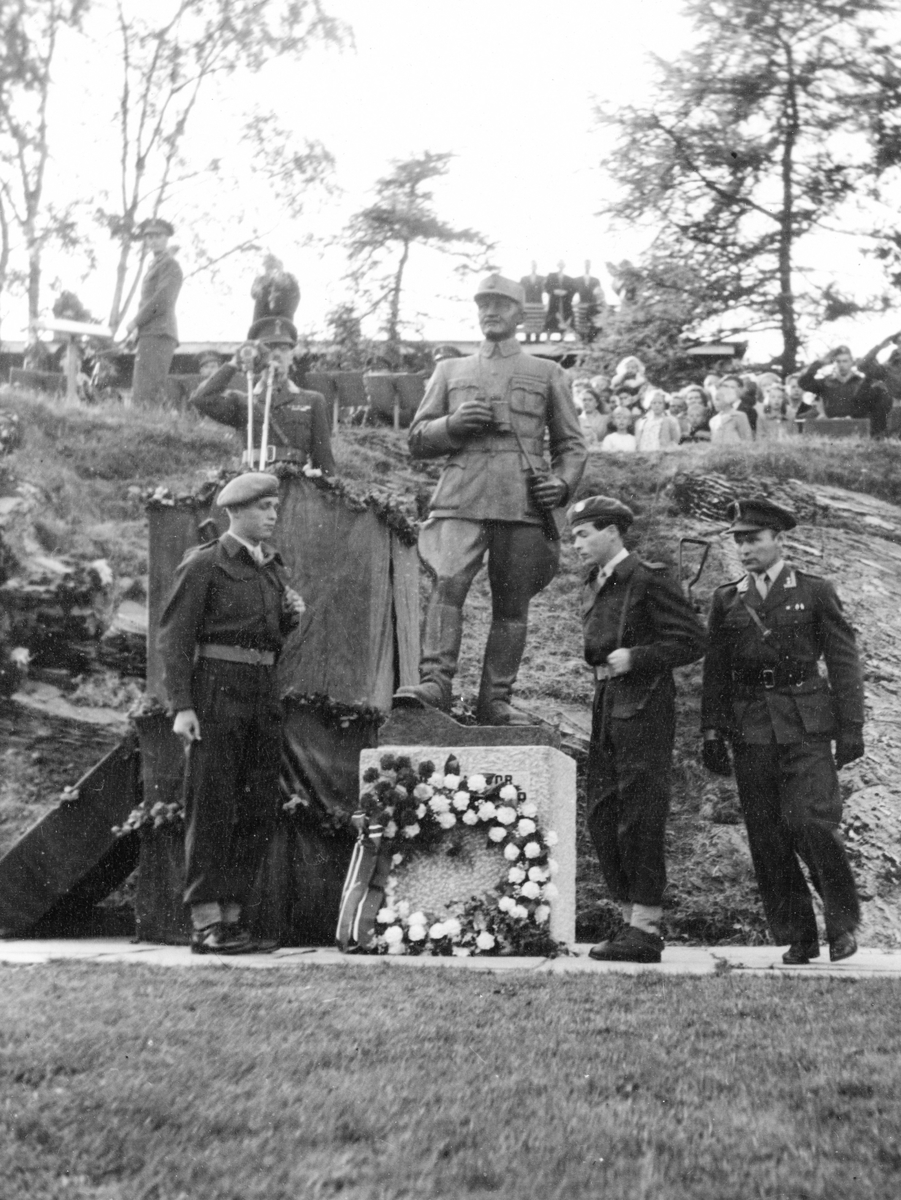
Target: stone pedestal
x=546 y=775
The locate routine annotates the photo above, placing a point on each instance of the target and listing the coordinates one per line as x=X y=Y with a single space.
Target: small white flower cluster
x=154 y=816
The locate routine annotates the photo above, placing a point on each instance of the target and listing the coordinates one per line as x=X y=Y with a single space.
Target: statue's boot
x=503 y=654
x=441 y=639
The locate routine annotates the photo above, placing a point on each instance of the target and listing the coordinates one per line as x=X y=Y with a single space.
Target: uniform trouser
x=232 y=780
x=152 y=363
x=792 y=806
x=629 y=775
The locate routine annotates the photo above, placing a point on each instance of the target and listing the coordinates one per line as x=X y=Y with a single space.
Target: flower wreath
x=419 y=807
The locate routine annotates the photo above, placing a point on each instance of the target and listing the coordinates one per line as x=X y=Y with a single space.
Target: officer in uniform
x=637 y=627
x=153 y=328
x=489 y=414
x=298 y=425
x=228 y=613
x=763 y=692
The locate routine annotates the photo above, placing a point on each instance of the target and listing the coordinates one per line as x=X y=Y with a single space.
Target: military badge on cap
x=275 y=331
x=758 y=513
x=497 y=285
x=246 y=488
x=601 y=508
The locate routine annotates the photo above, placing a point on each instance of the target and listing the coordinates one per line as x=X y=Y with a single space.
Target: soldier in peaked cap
x=488 y=414
x=153 y=327
x=299 y=429
x=637 y=626
x=764 y=693
x=221 y=631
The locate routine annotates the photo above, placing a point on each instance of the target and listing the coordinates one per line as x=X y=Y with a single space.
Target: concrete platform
x=677 y=960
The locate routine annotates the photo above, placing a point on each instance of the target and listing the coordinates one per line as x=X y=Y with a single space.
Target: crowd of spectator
x=626 y=412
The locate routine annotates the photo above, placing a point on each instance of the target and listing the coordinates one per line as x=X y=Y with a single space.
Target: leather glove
x=848 y=748
x=715 y=756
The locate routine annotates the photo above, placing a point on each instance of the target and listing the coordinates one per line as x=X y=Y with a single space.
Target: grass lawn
x=131 y=1083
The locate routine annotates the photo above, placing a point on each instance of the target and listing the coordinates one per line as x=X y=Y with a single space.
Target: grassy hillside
x=94 y=468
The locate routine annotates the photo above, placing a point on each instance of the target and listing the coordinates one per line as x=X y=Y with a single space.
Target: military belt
x=777 y=676
x=237 y=654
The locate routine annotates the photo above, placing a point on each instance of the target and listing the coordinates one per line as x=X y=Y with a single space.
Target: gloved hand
x=715 y=756
x=547 y=491
x=848 y=748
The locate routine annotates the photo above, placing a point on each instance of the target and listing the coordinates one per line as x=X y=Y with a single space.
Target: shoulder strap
x=755 y=617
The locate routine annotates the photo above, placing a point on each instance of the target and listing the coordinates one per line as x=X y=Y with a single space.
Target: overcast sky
x=507 y=87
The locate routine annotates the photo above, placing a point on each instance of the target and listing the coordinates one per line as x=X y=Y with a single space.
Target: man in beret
x=153 y=326
x=489 y=414
x=299 y=429
x=221 y=631
x=637 y=626
x=764 y=693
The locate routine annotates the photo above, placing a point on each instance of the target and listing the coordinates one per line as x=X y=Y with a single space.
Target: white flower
x=461 y=951
x=542 y=912
x=516 y=875
x=403 y=909
x=470 y=817
x=487 y=811
x=436 y=781
x=447 y=820
x=506 y=904
x=386 y=916
x=421 y=811
x=393 y=934
x=511 y=852
x=485 y=940
x=553 y=867
x=525 y=827
x=538 y=874
x=439 y=804
x=410 y=831
x=529 y=808
x=391 y=829
x=519 y=913
x=531 y=890
x=416 y=933
x=422 y=791
x=452 y=782
x=477 y=783
x=396 y=859
x=551 y=838
x=532 y=850
x=509 y=793
x=506 y=815
x=497 y=833
x=417 y=918
x=437 y=931
x=461 y=800
x=397 y=948
x=452 y=927
x=550 y=891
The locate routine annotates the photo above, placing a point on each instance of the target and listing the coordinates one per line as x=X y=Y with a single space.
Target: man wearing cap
x=763 y=692
x=299 y=430
x=153 y=326
x=637 y=627
x=489 y=413
x=221 y=631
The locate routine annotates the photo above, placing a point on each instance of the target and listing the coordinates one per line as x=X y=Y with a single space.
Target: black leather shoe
x=800 y=953
x=842 y=946
x=222 y=939
x=630 y=945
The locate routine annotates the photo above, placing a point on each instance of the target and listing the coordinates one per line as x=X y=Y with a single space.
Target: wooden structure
x=70 y=332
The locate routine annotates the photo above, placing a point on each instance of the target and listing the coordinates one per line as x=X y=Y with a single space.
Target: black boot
x=441 y=637
x=503 y=654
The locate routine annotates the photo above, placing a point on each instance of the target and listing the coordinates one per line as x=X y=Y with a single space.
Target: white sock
x=203 y=915
x=647 y=918
x=231 y=912
x=626 y=909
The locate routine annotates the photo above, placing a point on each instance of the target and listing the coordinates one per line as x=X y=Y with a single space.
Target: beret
x=246 y=488
x=601 y=508
x=758 y=513
x=273 y=329
x=497 y=285
x=155 y=225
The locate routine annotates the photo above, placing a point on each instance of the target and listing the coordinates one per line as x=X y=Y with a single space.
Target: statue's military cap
x=274 y=330
x=497 y=285
x=758 y=513
x=601 y=508
x=155 y=225
x=246 y=488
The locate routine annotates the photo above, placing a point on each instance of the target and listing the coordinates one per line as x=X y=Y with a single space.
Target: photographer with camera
x=497 y=497
x=288 y=424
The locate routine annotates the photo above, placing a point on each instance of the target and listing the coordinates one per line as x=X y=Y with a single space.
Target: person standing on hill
x=153 y=326
x=221 y=631
x=637 y=626
x=846 y=392
x=762 y=691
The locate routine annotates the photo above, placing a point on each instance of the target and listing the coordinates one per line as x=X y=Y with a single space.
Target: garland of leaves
x=419 y=808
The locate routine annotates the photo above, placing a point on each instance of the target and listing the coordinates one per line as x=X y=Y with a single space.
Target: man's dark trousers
x=232 y=781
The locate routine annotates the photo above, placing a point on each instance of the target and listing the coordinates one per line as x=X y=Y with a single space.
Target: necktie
x=763 y=585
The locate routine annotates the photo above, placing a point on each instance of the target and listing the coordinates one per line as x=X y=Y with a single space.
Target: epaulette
x=810 y=575
x=193 y=551
x=731 y=583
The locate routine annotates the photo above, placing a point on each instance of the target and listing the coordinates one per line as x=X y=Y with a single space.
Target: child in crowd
x=594 y=422
x=621 y=440
x=728 y=427
x=657 y=430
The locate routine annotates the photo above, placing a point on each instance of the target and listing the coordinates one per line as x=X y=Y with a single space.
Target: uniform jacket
x=806 y=623
x=159 y=291
x=221 y=596
x=588 y=290
x=533 y=288
x=485 y=477
x=856 y=396
x=299 y=419
x=660 y=628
